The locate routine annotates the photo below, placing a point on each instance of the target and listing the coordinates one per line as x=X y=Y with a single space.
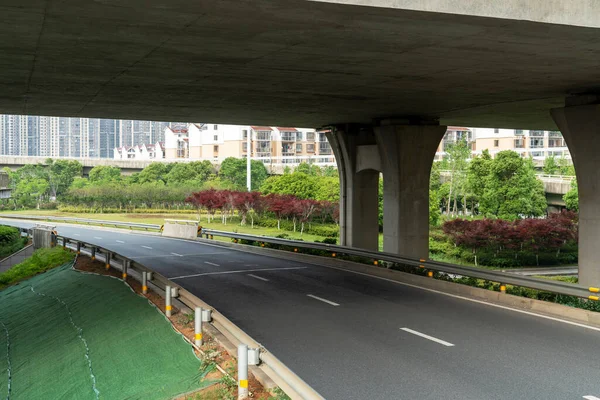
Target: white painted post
x=198 y=326
x=125 y=268
x=144 y=282
x=168 y=306
x=242 y=371
x=248 y=161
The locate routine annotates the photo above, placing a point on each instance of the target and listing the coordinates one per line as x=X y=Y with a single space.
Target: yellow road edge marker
x=595 y=298
x=595 y=290
x=198 y=336
x=244 y=383
x=168 y=308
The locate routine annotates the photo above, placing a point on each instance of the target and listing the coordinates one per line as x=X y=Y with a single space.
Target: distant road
x=352 y=336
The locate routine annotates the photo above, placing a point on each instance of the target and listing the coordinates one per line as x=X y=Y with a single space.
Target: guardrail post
x=107 y=257
x=64 y=243
x=168 y=306
x=198 y=326
x=93 y=253
x=206 y=315
x=144 y=282
x=125 y=268
x=242 y=371
x=78 y=248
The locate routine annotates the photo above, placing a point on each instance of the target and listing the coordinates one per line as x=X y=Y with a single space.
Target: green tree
x=309 y=169
x=180 y=173
x=457 y=155
x=551 y=167
x=565 y=167
x=61 y=174
x=298 y=184
x=477 y=174
x=104 y=173
x=571 y=198
x=328 y=189
x=512 y=189
x=234 y=170
x=31 y=192
x=203 y=169
x=154 y=172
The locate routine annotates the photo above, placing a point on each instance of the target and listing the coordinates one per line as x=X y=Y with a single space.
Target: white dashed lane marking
x=259 y=277
x=97 y=237
x=442 y=342
x=147 y=247
x=323 y=300
x=213 y=264
x=178 y=255
x=120 y=241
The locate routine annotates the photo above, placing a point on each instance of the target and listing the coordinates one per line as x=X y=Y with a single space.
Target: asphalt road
x=352 y=336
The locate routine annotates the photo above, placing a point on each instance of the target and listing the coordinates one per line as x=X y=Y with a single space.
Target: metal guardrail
x=116 y=224
x=291 y=383
x=504 y=278
x=564 y=288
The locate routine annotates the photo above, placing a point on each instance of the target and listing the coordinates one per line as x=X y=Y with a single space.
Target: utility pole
x=248 y=156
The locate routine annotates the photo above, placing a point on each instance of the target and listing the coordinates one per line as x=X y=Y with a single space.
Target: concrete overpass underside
x=384 y=75
x=298 y=62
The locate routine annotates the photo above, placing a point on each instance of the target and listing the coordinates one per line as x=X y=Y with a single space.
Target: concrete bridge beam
x=579 y=123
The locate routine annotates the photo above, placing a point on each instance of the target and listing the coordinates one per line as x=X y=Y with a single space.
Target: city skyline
x=43 y=136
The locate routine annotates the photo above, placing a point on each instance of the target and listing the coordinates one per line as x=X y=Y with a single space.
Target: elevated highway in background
x=355 y=336
x=274 y=165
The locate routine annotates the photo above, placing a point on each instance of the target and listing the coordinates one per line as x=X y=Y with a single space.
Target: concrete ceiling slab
x=298 y=62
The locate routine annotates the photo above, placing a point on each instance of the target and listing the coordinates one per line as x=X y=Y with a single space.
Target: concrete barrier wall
x=181 y=229
x=42 y=238
x=16 y=258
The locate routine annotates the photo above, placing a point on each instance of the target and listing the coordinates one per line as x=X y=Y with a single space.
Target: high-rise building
x=74 y=137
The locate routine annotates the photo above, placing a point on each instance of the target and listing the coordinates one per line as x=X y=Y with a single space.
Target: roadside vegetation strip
x=135 y=353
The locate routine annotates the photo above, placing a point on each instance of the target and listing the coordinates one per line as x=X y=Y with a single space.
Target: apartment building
x=216 y=142
x=529 y=143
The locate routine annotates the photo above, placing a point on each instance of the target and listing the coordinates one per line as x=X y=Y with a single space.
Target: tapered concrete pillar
x=579 y=123
x=407 y=153
x=358 y=168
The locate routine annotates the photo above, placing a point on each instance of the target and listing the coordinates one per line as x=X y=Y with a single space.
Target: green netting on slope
x=82 y=336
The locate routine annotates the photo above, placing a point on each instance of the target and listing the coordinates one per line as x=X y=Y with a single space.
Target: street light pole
x=248 y=155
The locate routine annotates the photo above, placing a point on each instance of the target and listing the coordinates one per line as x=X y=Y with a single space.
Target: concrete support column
x=407 y=152
x=579 y=123
x=358 y=187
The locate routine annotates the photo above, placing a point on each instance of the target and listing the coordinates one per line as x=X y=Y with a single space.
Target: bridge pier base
x=579 y=122
x=407 y=153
